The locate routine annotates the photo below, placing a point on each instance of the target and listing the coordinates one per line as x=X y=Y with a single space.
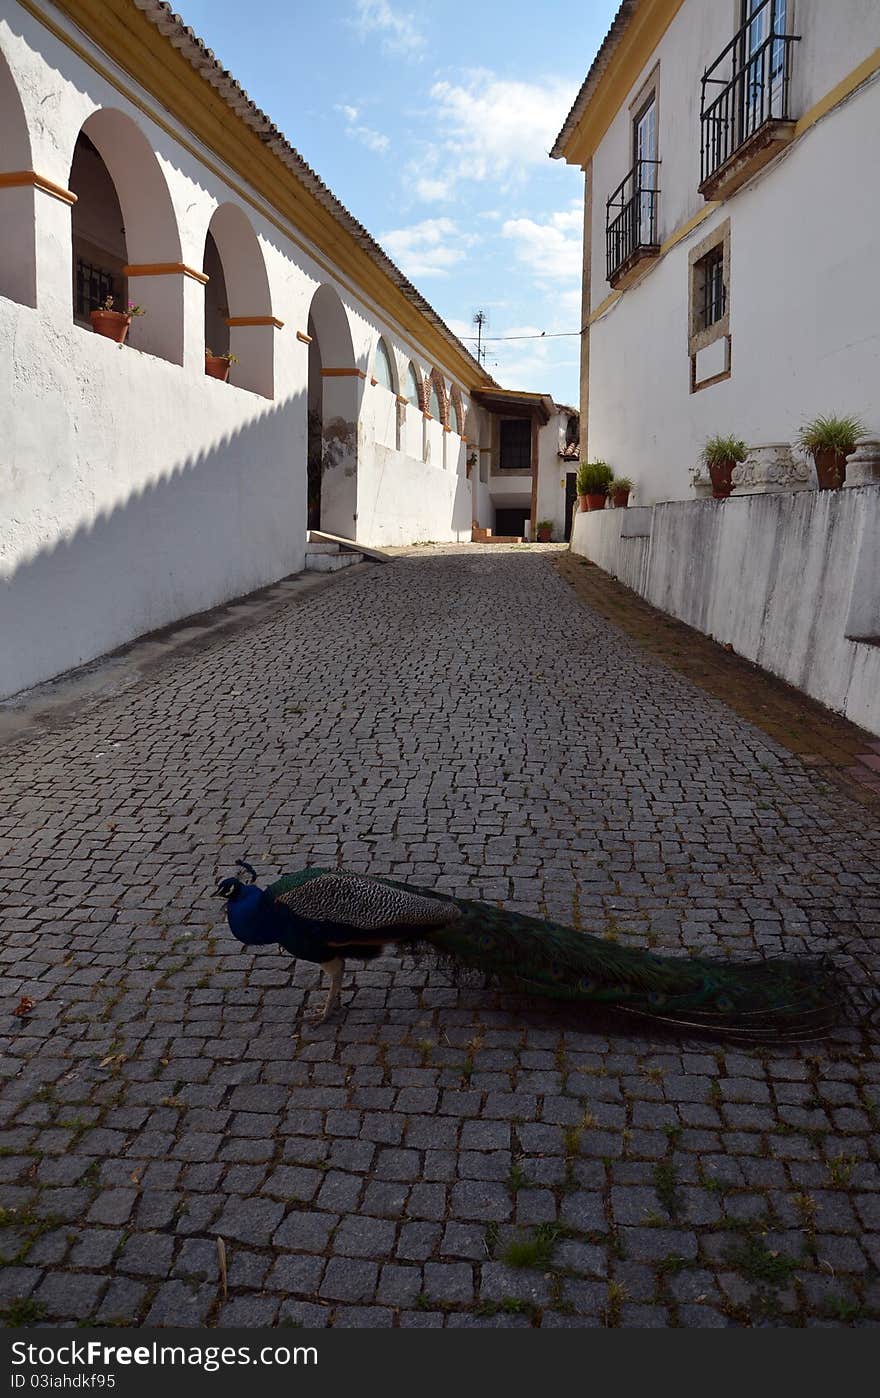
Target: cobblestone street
x=461 y=720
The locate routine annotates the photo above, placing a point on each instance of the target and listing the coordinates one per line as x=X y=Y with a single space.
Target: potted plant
x=620 y=492
x=593 y=480
x=114 y=324
x=830 y=440
x=217 y=366
x=544 y=531
x=721 y=454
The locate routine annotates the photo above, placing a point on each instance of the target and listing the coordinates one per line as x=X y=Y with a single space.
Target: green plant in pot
x=721 y=454
x=217 y=366
x=544 y=531
x=830 y=440
x=593 y=481
x=620 y=488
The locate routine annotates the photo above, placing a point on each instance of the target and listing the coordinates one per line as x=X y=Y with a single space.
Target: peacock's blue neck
x=250 y=917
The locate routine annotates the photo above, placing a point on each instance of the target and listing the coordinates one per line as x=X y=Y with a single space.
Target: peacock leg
x=334 y=970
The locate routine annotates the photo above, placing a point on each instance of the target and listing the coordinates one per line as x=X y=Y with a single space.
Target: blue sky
x=432 y=125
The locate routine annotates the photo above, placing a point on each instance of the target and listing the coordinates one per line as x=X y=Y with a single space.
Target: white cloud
x=398 y=32
x=427 y=249
x=495 y=127
x=551 y=248
x=373 y=140
x=433 y=190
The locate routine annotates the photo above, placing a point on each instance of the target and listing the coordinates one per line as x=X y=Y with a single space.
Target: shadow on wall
x=224 y=522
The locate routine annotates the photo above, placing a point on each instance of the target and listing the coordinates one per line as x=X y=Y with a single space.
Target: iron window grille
x=712 y=291
x=515 y=452
x=753 y=74
x=93 y=286
x=631 y=217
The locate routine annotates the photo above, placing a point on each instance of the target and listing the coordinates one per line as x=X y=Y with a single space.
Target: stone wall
x=790 y=581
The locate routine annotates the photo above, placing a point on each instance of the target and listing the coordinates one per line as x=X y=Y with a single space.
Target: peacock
x=327 y=916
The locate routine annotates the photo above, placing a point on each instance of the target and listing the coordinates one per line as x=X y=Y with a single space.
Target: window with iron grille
x=709 y=280
x=516 y=445
x=93 y=286
x=712 y=291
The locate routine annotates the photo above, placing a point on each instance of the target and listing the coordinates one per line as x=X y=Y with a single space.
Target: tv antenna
x=480 y=319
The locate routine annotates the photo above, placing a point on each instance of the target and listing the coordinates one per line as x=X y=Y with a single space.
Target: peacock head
x=232 y=888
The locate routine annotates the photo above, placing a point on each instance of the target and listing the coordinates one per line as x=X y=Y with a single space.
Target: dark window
x=711 y=289
x=516 y=445
x=93 y=286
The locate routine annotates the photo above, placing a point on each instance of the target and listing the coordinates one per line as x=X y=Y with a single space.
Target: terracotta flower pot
x=830 y=467
x=596 y=502
x=544 y=536
x=582 y=503
x=217 y=367
x=111 y=324
x=721 y=473
x=620 y=499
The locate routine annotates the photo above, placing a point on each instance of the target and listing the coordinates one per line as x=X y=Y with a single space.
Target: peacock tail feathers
x=764 y=999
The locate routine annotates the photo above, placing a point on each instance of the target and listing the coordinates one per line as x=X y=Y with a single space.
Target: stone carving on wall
x=771 y=469
x=863 y=467
x=700 y=482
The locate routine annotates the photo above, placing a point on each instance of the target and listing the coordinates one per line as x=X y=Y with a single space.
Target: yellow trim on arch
x=163 y=269
x=122 y=32
x=17 y=179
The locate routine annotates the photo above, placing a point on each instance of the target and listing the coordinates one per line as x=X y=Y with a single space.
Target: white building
x=731 y=228
x=134 y=488
x=527 y=456
x=732 y=233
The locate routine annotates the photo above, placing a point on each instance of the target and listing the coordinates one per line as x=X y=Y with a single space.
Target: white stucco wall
x=804 y=299
x=786 y=580
x=134 y=490
x=552 y=471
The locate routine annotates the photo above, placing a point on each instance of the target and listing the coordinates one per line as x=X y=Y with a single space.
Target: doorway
x=570 y=498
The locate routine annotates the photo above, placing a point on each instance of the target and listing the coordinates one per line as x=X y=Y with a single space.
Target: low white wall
x=403 y=501
x=134 y=492
x=785 y=579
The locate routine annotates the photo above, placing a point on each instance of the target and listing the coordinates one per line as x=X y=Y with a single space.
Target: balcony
x=631 y=224
x=744 y=114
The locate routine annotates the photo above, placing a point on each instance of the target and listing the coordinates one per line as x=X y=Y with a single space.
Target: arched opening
x=238 y=303
x=99 y=248
x=387 y=412
x=126 y=243
x=456 y=412
x=334 y=400
x=18 y=276
x=437 y=401
x=434 y=449
x=216 y=300
x=412 y=431
x=456 y=448
x=384 y=374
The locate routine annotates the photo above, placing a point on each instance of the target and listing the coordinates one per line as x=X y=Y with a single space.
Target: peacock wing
x=356 y=900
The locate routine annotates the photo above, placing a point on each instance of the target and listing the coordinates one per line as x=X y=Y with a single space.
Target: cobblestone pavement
x=459 y=719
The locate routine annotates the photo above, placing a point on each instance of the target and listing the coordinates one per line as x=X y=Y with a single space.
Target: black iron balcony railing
x=631 y=218
x=750 y=81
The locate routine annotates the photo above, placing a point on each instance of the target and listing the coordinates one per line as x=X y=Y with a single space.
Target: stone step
x=316 y=546
x=330 y=562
